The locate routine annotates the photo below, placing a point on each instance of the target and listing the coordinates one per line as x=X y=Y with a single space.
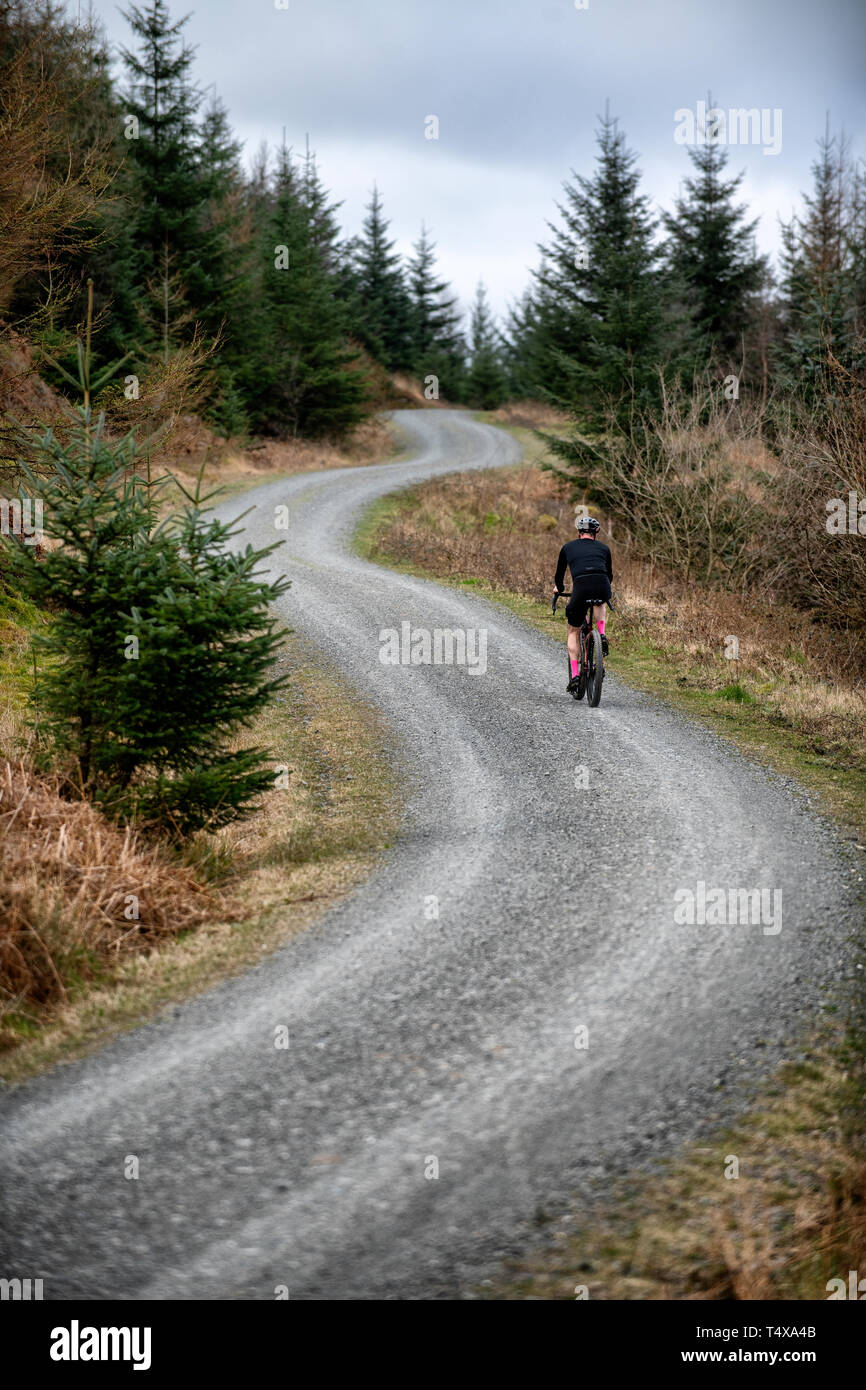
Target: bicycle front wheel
x=594 y=667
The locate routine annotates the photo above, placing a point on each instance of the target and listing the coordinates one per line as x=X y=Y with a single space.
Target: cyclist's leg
x=601 y=612
x=601 y=617
x=574 y=616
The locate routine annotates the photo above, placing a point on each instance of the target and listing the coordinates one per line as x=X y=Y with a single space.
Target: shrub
x=159 y=644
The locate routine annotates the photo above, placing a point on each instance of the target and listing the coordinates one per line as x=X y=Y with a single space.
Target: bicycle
x=590 y=653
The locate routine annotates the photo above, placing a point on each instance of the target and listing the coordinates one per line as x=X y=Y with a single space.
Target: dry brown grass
x=823 y=457
x=533 y=415
x=236 y=466
x=23 y=393
x=794 y=1218
x=69 y=878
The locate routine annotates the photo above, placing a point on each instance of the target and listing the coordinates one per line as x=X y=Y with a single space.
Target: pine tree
x=605 y=315
x=225 y=260
x=599 y=295
x=223 y=236
x=167 y=195
x=711 y=251
x=523 y=352
x=436 y=345
x=856 y=248
x=818 y=291
x=321 y=213
x=302 y=376
x=380 y=305
x=485 y=380
x=160 y=642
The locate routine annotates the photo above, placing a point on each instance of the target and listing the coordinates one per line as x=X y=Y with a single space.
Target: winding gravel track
x=453 y=1038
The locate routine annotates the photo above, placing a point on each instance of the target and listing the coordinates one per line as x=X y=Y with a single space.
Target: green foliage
x=486 y=382
x=165 y=192
x=227 y=413
x=523 y=352
x=711 y=253
x=179 y=240
x=737 y=693
x=178 y=245
x=436 y=344
x=822 y=290
x=378 y=296
x=596 y=317
x=300 y=373
x=160 y=642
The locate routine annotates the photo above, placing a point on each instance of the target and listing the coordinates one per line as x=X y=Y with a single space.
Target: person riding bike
x=591 y=573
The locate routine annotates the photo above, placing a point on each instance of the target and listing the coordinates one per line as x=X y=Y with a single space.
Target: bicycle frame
x=587 y=678
x=584 y=630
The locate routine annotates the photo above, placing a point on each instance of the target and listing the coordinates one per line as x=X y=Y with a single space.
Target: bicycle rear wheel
x=594 y=667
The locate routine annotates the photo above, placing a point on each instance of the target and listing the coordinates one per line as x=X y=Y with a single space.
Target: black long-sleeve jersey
x=583 y=558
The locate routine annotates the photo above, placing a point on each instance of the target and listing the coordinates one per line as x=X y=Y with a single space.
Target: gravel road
x=435 y=1017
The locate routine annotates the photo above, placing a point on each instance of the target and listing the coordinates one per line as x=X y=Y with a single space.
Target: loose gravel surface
x=431 y=1017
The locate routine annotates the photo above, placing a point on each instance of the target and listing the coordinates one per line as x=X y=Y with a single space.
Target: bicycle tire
x=594 y=668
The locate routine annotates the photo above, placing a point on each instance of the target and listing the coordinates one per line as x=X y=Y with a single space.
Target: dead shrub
x=70 y=884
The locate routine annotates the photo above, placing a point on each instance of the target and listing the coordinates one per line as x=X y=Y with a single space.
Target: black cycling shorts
x=582 y=590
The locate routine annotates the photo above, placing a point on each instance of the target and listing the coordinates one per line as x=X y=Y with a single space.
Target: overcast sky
x=516 y=86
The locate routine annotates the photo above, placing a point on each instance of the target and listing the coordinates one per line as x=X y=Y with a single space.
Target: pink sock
x=574 y=668
x=600 y=625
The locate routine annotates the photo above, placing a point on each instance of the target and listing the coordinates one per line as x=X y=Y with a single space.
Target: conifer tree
x=711 y=252
x=321 y=213
x=436 y=345
x=160 y=642
x=380 y=306
x=818 y=291
x=599 y=295
x=302 y=375
x=485 y=380
x=856 y=239
x=225 y=261
x=223 y=236
x=523 y=350
x=164 y=188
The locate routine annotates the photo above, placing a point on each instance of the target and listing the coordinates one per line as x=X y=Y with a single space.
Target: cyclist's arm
x=560 y=572
x=609 y=565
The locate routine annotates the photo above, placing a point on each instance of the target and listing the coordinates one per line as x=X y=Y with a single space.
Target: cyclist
x=591 y=572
